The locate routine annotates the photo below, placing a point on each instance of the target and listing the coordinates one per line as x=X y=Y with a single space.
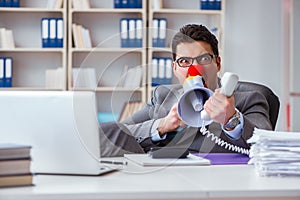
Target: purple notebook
x=225 y=158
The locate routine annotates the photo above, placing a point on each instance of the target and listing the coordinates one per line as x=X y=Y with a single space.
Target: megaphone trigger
x=204 y=115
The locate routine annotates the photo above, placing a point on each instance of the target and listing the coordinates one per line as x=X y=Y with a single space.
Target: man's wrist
x=160 y=131
x=154 y=133
x=233 y=122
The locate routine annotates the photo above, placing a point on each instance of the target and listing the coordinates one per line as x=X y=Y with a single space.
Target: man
x=158 y=123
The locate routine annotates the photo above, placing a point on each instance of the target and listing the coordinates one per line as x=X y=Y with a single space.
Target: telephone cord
x=223 y=143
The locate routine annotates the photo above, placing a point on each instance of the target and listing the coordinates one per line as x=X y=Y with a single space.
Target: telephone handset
x=228 y=81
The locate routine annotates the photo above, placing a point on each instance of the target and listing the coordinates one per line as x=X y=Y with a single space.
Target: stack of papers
x=275 y=153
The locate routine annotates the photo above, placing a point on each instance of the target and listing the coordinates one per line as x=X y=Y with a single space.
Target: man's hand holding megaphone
x=171 y=122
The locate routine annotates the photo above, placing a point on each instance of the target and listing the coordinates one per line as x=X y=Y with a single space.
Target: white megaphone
x=190 y=104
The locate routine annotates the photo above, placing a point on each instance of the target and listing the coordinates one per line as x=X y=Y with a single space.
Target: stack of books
x=54 y=4
x=128 y=4
x=9 y=3
x=162 y=71
x=15 y=165
x=84 y=77
x=52 y=32
x=131 y=77
x=81 y=4
x=157 y=4
x=7 y=40
x=6 y=71
x=81 y=36
x=275 y=153
x=159 y=32
x=131 y=32
x=210 y=4
x=55 y=78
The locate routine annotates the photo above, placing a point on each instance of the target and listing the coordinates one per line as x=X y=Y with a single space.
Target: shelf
x=107 y=10
x=95 y=49
x=30 y=89
x=187 y=11
x=37 y=50
x=29 y=10
x=107 y=89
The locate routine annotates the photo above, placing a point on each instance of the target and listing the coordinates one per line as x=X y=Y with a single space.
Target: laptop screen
x=61 y=127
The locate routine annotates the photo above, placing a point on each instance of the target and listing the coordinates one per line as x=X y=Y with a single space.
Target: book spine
x=60 y=32
x=8 y=72
x=2 y=71
x=45 y=32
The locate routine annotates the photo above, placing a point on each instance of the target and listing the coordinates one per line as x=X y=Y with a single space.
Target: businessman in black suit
x=158 y=123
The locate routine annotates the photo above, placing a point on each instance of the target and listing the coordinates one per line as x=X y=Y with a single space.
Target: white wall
x=253 y=44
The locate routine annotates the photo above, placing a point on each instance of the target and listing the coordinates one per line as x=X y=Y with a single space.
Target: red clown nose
x=197 y=70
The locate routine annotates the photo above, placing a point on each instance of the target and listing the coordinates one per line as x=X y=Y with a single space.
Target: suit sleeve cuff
x=236 y=133
x=155 y=137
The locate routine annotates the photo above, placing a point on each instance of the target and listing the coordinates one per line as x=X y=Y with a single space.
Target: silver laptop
x=61 y=127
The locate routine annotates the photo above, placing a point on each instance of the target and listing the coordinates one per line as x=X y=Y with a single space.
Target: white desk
x=135 y=182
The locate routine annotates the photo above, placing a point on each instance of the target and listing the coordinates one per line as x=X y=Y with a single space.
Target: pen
x=113 y=162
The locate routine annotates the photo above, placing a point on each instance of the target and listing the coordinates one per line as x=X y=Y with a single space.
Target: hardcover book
x=16 y=180
x=14 y=151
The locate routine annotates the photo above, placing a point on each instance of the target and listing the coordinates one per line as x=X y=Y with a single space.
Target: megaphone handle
x=229 y=81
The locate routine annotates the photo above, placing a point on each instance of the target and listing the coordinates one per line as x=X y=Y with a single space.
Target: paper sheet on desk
x=146 y=160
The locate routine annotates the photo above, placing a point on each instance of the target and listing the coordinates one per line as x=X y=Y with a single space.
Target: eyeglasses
x=204 y=59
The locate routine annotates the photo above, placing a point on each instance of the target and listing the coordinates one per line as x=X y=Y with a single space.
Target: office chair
x=273 y=100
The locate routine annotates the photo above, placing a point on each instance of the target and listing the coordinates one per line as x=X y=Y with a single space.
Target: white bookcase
x=106 y=56
x=295 y=66
x=30 y=60
x=179 y=13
